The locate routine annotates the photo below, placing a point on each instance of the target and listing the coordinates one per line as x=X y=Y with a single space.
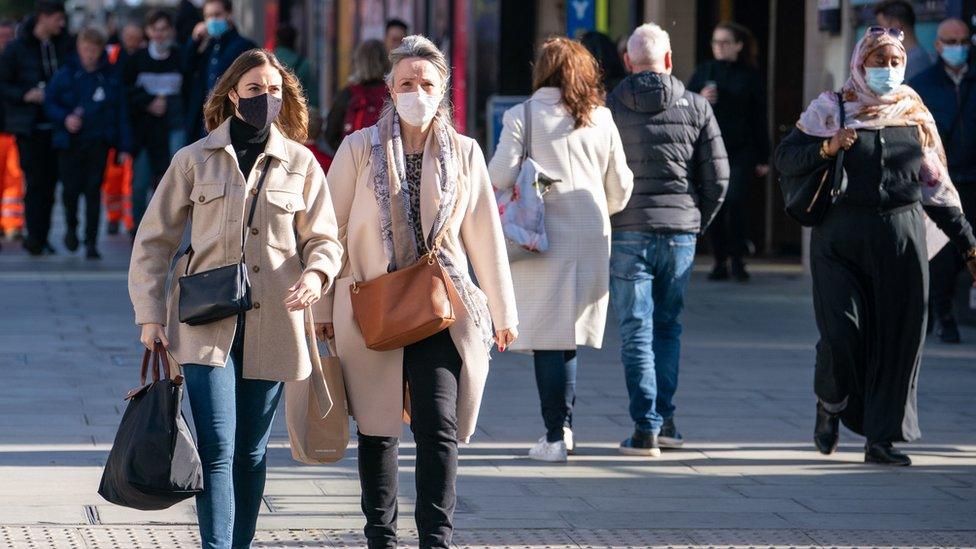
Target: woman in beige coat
x=413 y=159
x=562 y=294
x=233 y=375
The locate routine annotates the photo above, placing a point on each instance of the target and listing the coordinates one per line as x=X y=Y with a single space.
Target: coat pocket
x=208 y=212
x=281 y=209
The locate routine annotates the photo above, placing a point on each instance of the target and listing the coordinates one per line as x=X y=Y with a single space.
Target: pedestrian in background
x=153 y=81
x=869 y=255
x=733 y=85
x=443 y=184
x=562 y=293
x=215 y=44
x=133 y=40
x=674 y=148
x=396 y=29
x=899 y=14
x=607 y=57
x=360 y=103
x=234 y=367
x=27 y=65
x=948 y=89
x=187 y=17
x=11 y=176
x=286 y=50
x=86 y=104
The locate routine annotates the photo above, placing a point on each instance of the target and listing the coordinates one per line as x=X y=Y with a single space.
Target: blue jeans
x=648 y=276
x=555 y=376
x=232 y=416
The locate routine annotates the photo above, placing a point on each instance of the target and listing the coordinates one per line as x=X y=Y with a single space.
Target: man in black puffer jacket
x=681 y=171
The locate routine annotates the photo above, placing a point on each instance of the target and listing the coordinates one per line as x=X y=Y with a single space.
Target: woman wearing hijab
x=869 y=256
x=399 y=186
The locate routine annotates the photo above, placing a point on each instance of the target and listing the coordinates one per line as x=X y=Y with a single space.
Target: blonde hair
x=293 y=119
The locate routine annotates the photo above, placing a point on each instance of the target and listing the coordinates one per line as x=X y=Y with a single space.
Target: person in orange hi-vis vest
x=11 y=177
x=117 y=183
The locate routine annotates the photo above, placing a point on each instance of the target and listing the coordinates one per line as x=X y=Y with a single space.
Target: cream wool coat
x=562 y=294
x=294 y=224
x=374 y=380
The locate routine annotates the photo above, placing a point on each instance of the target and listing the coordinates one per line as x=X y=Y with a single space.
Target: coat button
x=288 y=206
x=256 y=269
x=257 y=305
x=254 y=231
x=254 y=192
x=201 y=198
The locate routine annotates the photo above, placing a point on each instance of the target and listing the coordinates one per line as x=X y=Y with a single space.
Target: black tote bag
x=808 y=197
x=153 y=463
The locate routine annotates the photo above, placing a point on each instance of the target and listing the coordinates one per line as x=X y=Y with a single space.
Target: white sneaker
x=549 y=451
x=569 y=440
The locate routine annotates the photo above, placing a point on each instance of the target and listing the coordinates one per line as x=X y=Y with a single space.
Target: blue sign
x=497 y=105
x=580 y=17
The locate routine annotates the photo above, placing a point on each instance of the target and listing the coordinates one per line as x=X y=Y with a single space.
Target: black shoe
x=640 y=444
x=826 y=432
x=884 y=453
x=49 y=249
x=113 y=227
x=719 y=272
x=91 y=252
x=669 y=437
x=71 y=241
x=949 y=330
x=33 y=247
x=739 y=272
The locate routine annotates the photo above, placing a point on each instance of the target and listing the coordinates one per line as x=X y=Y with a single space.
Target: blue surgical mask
x=882 y=80
x=217 y=27
x=955 y=56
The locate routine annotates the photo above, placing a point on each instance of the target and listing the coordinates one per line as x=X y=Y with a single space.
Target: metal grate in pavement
x=514 y=539
x=876 y=538
x=39 y=537
x=751 y=538
x=594 y=539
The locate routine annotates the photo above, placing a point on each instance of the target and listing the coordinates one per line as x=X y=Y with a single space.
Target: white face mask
x=417 y=109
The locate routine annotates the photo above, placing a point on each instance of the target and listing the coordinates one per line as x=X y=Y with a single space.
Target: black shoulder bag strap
x=250 y=215
x=839 y=186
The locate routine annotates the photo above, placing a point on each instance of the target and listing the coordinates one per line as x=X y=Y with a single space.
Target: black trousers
x=432 y=369
x=82 y=172
x=38 y=160
x=728 y=230
x=945 y=267
x=870 y=291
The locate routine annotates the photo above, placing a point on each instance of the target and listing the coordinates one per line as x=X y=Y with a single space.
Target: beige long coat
x=374 y=380
x=294 y=224
x=563 y=294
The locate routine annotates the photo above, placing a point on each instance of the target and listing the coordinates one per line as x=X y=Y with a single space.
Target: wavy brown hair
x=565 y=64
x=293 y=120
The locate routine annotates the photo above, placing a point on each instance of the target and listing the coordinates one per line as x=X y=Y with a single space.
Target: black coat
x=882 y=174
x=21 y=69
x=201 y=70
x=675 y=150
x=740 y=109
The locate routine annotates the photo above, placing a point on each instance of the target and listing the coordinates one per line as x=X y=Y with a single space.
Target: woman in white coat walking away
x=562 y=293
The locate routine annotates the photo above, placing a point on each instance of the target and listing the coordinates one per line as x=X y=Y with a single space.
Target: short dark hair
x=397 y=23
x=897 y=10
x=228 y=5
x=287 y=36
x=48 y=7
x=157 y=15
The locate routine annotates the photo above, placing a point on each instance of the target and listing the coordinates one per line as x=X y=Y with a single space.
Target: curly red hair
x=566 y=64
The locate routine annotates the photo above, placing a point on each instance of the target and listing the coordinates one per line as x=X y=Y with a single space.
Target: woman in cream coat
x=562 y=294
x=413 y=156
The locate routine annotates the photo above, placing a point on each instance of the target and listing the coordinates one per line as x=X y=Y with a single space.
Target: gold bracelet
x=970 y=254
x=824 y=148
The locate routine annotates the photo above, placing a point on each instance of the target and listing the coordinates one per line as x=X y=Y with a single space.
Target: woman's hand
x=324 y=331
x=151 y=333
x=504 y=338
x=305 y=292
x=843 y=139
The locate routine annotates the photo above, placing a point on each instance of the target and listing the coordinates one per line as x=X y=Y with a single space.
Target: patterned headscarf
x=902 y=106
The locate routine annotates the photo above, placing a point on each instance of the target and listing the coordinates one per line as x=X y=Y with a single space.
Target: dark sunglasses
x=897 y=34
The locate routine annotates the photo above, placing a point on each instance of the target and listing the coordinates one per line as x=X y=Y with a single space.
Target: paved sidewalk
x=748 y=476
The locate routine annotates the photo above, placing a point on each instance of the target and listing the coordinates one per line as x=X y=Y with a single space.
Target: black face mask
x=259 y=111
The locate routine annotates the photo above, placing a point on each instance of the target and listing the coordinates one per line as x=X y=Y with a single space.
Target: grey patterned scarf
x=396 y=219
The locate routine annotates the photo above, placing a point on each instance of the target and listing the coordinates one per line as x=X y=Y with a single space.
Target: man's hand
x=157 y=107
x=34 y=95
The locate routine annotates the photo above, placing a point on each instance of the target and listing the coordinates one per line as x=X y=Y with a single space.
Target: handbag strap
x=527 y=139
x=250 y=215
x=155 y=357
x=839 y=184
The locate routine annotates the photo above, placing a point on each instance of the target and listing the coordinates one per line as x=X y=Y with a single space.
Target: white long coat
x=562 y=295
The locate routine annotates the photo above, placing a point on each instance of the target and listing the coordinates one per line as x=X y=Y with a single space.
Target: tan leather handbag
x=408 y=305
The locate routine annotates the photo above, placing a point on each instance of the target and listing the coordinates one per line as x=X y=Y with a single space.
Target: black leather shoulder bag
x=219 y=293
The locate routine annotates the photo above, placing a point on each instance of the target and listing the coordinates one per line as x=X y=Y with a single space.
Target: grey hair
x=648 y=45
x=418 y=46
